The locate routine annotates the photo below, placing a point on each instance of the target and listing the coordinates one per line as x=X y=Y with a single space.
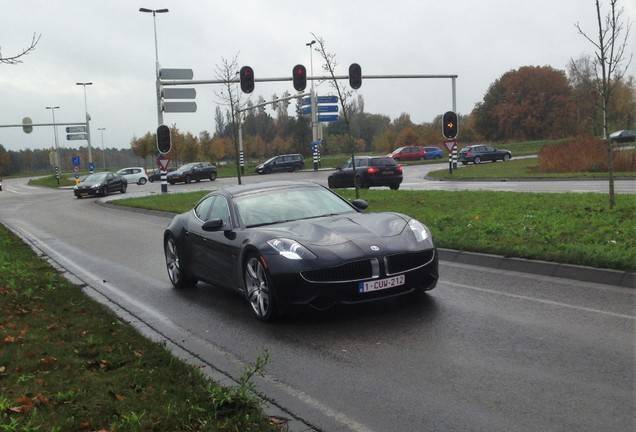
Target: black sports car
x=296 y=243
x=101 y=183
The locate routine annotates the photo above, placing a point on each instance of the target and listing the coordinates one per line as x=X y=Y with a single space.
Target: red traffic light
x=247 y=79
x=299 y=75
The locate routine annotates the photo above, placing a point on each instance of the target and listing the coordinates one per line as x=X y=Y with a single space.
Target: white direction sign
x=176 y=74
x=179 y=93
x=75 y=129
x=77 y=136
x=182 y=107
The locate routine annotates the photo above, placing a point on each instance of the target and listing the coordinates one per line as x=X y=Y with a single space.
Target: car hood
x=338 y=230
x=86 y=184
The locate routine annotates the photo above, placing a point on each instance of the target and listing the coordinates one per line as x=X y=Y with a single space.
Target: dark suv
x=287 y=163
x=369 y=171
x=193 y=171
x=481 y=153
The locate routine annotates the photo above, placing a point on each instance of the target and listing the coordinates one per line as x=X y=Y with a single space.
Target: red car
x=408 y=153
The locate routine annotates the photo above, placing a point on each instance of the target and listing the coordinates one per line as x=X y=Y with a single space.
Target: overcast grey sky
x=111 y=43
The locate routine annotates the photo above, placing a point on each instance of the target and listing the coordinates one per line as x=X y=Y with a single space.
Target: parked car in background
x=433 y=153
x=481 y=153
x=369 y=171
x=408 y=153
x=134 y=175
x=623 y=136
x=155 y=175
x=286 y=245
x=101 y=183
x=286 y=163
x=196 y=171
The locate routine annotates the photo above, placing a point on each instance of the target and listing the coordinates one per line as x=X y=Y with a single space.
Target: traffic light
x=355 y=76
x=247 y=79
x=449 y=125
x=164 y=142
x=300 y=77
x=27 y=125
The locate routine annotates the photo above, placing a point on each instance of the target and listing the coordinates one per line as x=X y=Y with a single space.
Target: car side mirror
x=213 y=224
x=360 y=204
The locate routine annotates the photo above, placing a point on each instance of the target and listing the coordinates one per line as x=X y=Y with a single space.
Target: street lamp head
x=52 y=107
x=84 y=83
x=153 y=11
x=310 y=43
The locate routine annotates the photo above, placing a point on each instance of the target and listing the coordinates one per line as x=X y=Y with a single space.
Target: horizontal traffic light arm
x=309 y=78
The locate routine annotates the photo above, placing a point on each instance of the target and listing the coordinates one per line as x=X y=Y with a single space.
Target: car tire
x=267 y=171
x=188 y=179
x=105 y=191
x=259 y=289
x=123 y=188
x=176 y=273
x=330 y=183
x=476 y=160
x=422 y=158
x=213 y=176
x=141 y=181
x=506 y=158
x=464 y=163
x=394 y=186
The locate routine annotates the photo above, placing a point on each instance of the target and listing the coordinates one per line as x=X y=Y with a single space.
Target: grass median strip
x=569 y=228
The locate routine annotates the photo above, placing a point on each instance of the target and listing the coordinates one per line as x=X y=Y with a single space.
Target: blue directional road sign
x=327 y=99
x=306 y=110
x=75 y=160
x=328 y=117
x=327 y=108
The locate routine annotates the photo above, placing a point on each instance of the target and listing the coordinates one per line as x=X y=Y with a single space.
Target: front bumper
x=326 y=287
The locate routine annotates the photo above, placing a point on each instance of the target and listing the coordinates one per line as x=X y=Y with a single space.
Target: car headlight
x=95 y=186
x=291 y=249
x=419 y=230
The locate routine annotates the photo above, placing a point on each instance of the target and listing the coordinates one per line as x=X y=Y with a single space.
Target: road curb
x=544 y=268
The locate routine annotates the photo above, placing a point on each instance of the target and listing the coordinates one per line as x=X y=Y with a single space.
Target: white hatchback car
x=134 y=175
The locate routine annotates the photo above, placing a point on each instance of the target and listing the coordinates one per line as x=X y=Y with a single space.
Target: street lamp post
x=157 y=66
x=314 y=126
x=57 y=150
x=164 y=182
x=88 y=127
x=103 y=151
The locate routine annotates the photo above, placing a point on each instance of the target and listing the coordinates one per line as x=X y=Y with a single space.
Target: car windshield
x=185 y=167
x=95 y=177
x=284 y=205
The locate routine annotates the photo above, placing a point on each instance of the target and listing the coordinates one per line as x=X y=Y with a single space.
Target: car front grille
x=400 y=263
x=349 y=272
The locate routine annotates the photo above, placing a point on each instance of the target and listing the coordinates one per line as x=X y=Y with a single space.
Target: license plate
x=387 y=172
x=381 y=284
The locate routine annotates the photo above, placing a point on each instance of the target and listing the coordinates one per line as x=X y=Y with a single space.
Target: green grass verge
x=68 y=364
x=514 y=169
x=568 y=228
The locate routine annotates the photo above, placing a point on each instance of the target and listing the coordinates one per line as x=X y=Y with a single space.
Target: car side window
x=220 y=209
x=203 y=209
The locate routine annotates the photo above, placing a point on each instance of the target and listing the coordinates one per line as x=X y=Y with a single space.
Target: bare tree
x=230 y=96
x=17 y=58
x=610 y=65
x=344 y=94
